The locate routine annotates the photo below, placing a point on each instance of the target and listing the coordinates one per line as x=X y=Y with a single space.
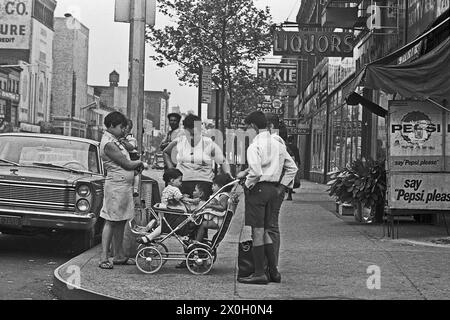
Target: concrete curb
x=66 y=291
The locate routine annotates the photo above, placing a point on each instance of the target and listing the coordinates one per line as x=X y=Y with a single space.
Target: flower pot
x=346 y=209
x=363 y=214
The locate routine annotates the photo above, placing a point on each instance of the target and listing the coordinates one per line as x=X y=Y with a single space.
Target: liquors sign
x=327 y=44
x=15 y=24
x=416 y=136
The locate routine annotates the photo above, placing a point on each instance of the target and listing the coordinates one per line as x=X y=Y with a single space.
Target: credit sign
x=15 y=24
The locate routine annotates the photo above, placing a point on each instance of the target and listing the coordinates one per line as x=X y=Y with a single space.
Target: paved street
x=323 y=257
x=27 y=265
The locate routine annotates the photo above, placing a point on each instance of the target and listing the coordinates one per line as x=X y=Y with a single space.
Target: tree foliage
x=248 y=90
x=228 y=35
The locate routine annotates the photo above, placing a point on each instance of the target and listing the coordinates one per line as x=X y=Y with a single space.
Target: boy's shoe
x=135 y=194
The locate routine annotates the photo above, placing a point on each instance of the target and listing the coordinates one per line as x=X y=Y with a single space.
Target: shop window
x=336 y=140
x=356 y=132
x=13 y=115
x=318 y=136
x=381 y=143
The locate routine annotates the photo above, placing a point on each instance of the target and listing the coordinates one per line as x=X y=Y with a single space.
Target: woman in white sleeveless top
x=195 y=156
x=118 y=204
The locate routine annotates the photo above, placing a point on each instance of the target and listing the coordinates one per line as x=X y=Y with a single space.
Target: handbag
x=297 y=181
x=246 y=266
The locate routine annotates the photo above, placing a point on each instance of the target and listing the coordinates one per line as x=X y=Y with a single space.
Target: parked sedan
x=50 y=183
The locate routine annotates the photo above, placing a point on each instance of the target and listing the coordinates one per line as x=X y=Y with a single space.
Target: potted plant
x=363 y=185
x=339 y=188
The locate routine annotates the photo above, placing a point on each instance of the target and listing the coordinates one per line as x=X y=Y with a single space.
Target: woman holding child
x=118 y=204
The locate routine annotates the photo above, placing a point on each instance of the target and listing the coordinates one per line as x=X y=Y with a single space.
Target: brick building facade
x=69 y=87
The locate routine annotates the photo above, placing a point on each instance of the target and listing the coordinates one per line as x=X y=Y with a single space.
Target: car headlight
x=83 y=205
x=83 y=190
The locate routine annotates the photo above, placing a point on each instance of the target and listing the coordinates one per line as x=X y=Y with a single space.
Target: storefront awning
x=427 y=77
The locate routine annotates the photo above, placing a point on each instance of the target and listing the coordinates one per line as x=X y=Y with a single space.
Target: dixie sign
x=15 y=24
x=285 y=73
x=327 y=44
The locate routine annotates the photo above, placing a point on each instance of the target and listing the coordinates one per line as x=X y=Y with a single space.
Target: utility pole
x=135 y=110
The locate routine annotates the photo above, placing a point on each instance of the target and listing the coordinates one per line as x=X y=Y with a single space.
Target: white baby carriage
x=198 y=256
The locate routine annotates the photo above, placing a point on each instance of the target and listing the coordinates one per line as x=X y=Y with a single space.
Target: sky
x=108 y=46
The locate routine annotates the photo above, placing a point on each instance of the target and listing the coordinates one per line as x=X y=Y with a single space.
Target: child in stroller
x=198 y=257
x=214 y=212
x=171 y=198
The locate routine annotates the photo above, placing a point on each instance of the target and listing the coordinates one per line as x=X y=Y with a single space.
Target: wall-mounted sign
x=416 y=130
x=206 y=84
x=273 y=105
x=296 y=127
x=283 y=72
x=419 y=191
x=15 y=24
x=14 y=97
x=163 y=116
x=26 y=127
x=328 y=44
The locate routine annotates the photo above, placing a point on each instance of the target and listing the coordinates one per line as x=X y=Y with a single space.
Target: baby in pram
x=172 y=199
x=212 y=214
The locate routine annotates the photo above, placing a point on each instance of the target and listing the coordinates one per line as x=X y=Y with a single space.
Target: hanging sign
x=327 y=44
x=416 y=130
x=285 y=73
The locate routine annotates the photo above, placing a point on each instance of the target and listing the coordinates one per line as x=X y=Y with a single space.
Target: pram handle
x=233 y=184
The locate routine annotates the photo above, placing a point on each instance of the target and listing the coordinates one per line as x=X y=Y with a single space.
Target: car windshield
x=32 y=151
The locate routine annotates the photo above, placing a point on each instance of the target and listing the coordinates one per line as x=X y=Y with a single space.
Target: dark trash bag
x=246 y=266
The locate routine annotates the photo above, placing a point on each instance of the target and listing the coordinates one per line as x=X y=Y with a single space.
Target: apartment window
x=42 y=57
x=43 y=14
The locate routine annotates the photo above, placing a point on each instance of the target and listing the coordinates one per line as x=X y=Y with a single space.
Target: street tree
x=227 y=35
x=248 y=90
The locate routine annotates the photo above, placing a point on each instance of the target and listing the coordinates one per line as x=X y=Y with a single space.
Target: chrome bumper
x=14 y=218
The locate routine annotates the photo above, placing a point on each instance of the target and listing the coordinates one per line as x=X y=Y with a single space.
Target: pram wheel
x=162 y=248
x=199 y=261
x=149 y=260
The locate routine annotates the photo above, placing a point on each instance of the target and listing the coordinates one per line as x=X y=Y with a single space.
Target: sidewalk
x=323 y=256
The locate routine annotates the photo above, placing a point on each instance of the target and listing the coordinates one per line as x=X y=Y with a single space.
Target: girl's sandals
x=107 y=265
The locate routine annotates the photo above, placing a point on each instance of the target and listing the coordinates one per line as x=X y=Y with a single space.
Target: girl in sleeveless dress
x=215 y=211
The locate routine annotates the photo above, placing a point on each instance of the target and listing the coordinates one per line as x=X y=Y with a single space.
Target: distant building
x=69 y=87
x=176 y=109
x=27 y=41
x=9 y=98
x=156 y=103
x=95 y=114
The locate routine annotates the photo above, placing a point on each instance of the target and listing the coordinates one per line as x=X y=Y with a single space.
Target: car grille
x=51 y=197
